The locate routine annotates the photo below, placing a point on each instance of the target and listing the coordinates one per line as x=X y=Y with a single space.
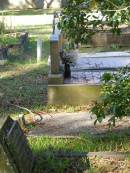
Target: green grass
x=45 y=147
x=85 y=143
x=7 y=40
x=28 y=12
x=90 y=49
x=23 y=81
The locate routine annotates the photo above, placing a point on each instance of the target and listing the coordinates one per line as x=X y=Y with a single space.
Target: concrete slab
x=101 y=60
x=84 y=85
x=73 y=94
x=86 y=77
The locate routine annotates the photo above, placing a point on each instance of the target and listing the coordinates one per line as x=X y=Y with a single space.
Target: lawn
x=23 y=81
x=111 y=48
x=45 y=149
x=28 y=12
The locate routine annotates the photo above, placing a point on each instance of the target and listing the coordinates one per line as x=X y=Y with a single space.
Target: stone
x=39 y=50
x=3 y=55
x=55 y=79
x=38 y=4
x=73 y=94
x=106 y=39
x=54 y=51
x=16 y=154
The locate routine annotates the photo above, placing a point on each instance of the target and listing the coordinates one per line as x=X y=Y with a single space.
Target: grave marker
x=55 y=75
x=39 y=50
x=15 y=154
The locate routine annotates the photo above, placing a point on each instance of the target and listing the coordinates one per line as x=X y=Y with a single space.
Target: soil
x=61 y=124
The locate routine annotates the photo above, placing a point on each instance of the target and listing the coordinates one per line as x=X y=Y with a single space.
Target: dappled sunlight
x=28 y=20
x=27 y=87
x=23 y=80
x=61 y=124
x=20 y=69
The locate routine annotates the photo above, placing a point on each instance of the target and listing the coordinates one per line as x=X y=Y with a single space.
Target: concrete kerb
x=73 y=94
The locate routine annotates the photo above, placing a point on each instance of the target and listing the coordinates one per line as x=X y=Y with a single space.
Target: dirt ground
x=61 y=124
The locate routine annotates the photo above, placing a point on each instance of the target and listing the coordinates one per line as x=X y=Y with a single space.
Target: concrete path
x=27 y=20
x=73 y=124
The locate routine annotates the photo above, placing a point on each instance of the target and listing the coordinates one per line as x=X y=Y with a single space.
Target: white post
x=39 y=50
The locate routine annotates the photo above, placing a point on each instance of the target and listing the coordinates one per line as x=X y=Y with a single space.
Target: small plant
x=115 y=97
x=8 y=40
x=114 y=47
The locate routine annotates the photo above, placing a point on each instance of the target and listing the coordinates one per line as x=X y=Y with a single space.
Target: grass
x=89 y=49
x=23 y=81
x=85 y=143
x=7 y=40
x=28 y=12
x=45 y=147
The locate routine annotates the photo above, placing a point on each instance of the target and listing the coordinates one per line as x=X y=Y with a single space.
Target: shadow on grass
x=47 y=162
x=27 y=88
x=22 y=80
x=51 y=153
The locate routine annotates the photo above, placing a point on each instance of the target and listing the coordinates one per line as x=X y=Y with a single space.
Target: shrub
x=115 y=97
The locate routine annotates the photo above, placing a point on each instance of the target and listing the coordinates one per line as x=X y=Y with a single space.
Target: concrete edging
x=73 y=94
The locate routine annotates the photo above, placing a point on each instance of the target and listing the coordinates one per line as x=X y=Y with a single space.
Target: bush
x=80 y=19
x=115 y=97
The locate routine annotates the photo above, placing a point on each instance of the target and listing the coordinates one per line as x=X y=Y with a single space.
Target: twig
x=21 y=107
x=28 y=110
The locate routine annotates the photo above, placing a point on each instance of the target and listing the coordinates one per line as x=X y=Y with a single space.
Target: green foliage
x=115 y=97
x=114 y=47
x=79 y=19
x=7 y=40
